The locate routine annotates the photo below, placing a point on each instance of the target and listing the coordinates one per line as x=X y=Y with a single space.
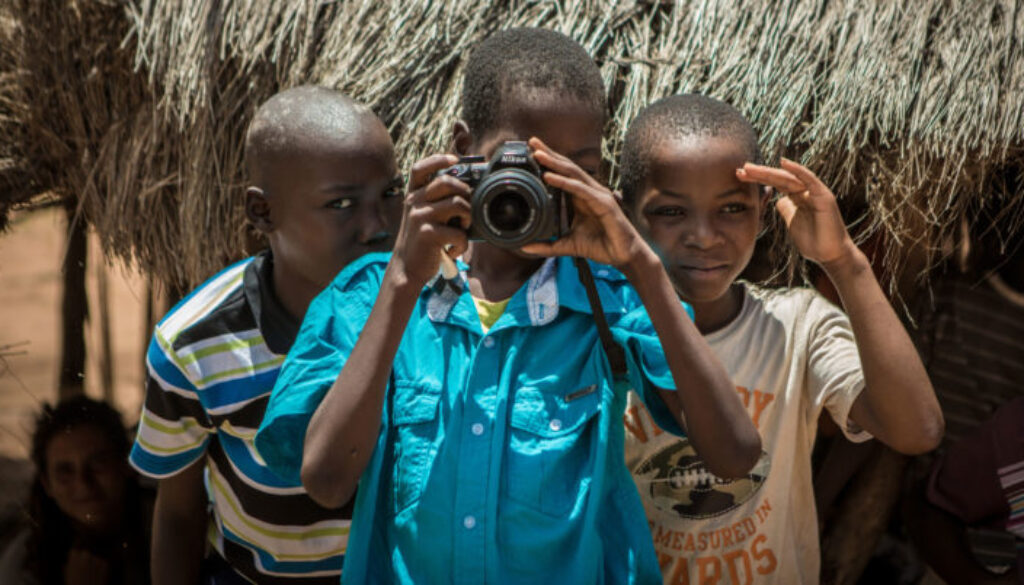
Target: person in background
x=88 y=523
x=965 y=509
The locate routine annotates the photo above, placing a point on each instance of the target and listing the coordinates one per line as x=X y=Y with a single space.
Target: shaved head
x=680 y=117
x=304 y=120
x=324 y=188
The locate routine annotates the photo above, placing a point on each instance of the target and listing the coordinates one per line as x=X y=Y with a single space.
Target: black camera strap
x=616 y=356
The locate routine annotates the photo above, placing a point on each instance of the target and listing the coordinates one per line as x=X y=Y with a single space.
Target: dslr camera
x=511 y=204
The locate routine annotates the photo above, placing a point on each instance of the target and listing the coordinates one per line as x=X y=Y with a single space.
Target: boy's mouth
x=703 y=271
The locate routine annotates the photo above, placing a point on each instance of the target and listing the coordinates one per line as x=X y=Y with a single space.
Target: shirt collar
x=555 y=284
x=276 y=324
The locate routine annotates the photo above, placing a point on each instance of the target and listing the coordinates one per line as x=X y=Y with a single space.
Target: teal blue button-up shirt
x=500 y=456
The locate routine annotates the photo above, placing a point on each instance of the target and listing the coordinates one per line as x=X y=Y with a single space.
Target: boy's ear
x=257 y=210
x=462 y=139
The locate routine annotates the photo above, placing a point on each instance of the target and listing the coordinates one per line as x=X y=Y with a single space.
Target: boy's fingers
x=582 y=198
x=556 y=162
x=445 y=237
x=444 y=187
x=456 y=249
x=424 y=170
x=540 y=249
x=781 y=179
x=539 y=145
x=786 y=208
x=583 y=195
x=444 y=211
x=803 y=174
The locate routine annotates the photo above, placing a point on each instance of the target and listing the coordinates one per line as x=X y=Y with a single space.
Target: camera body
x=511 y=204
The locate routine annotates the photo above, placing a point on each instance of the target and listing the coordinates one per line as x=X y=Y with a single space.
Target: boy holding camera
x=501 y=441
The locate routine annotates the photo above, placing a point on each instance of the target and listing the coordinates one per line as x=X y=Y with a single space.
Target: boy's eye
x=667 y=211
x=734 y=208
x=396 y=188
x=342 y=203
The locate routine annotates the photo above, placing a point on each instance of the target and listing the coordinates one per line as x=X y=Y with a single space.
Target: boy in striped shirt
x=324 y=190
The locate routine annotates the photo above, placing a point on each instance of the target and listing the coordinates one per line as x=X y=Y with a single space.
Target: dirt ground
x=30 y=295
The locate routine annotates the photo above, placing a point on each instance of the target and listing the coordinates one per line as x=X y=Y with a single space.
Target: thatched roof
x=13 y=165
x=914 y=113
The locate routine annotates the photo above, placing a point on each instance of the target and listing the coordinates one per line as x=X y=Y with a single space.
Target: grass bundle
x=914 y=114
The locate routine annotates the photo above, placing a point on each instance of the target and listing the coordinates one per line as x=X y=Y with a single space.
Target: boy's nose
x=83 y=484
x=374 y=226
x=702 y=234
x=376 y=238
x=371 y=224
x=374 y=233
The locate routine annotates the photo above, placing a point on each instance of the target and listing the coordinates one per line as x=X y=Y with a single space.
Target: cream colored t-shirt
x=790 y=353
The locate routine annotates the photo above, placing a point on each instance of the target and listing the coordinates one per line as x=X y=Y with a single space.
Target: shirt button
x=555 y=424
x=488 y=342
x=478 y=429
x=469 y=522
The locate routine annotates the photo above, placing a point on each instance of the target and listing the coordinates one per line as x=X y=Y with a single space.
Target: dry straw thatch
x=87 y=132
x=914 y=112
x=13 y=165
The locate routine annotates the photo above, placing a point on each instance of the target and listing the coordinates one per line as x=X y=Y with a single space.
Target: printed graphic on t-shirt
x=706 y=530
x=677 y=482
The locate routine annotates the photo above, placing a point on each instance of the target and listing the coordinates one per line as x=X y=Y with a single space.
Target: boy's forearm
x=721 y=431
x=898 y=404
x=343 y=431
x=179 y=528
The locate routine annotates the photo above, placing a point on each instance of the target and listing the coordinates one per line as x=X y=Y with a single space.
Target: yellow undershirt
x=489 y=311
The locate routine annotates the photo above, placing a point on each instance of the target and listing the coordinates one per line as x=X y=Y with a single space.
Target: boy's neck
x=495 y=274
x=714 y=315
x=293 y=291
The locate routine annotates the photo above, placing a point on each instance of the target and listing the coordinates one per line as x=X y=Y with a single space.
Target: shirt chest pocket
x=553 y=443
x=415 y=417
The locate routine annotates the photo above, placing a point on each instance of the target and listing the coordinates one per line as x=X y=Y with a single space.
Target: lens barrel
x=511 y=208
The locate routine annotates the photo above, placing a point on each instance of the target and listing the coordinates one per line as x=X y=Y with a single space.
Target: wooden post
x=74 y=307
x=106 y=351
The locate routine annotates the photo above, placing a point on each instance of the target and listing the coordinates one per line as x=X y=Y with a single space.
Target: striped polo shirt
x=212 y=363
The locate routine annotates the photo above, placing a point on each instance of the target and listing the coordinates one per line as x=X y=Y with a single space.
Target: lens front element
x=510 y=208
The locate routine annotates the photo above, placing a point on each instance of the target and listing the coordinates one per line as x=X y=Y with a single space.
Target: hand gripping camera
x=511 y=204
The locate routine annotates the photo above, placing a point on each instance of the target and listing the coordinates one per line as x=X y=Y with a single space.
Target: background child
x=963 y=509
x=324 y=191
x=88 y=521
x=688 y=182
x=498 y=442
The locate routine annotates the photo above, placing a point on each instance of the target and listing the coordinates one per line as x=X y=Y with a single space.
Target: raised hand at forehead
x=808 y=208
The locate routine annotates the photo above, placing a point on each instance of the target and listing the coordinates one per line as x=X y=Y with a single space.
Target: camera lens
x=508 y=211
x=511 y=207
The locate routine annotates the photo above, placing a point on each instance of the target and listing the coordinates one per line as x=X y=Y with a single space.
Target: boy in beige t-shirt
x=688 y=183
